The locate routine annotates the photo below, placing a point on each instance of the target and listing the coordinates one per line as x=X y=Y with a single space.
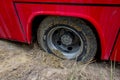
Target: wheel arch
x=31 y=28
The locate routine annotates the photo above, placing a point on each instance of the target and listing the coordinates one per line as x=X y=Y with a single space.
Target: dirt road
x=24 y=62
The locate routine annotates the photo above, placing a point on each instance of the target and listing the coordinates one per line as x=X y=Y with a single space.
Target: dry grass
x=23 y=62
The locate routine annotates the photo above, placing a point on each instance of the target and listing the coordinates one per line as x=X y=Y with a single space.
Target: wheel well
x=38 y=19
x=98 y=53
x=35 y=24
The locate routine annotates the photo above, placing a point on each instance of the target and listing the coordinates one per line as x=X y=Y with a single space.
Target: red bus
x=72 y=29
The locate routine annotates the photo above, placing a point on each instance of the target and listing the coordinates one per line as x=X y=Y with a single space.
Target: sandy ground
x=27 y=62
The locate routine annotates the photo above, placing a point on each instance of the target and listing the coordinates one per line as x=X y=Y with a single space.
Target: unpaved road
x=27 y=62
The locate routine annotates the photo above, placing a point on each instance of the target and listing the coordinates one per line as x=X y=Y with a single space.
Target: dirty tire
x=67 y=38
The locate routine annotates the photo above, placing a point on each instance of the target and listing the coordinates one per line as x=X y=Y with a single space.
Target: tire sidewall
x=82 y=29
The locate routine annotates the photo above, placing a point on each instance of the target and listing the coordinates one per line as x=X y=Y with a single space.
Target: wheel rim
x=64 y=42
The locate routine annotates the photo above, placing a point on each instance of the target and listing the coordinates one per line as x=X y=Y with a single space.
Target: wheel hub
x=66 y=39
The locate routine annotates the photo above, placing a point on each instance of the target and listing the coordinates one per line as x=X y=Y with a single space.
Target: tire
x=67 y=38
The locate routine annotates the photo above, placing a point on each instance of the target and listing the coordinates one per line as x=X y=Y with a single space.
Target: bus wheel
x=67 y=38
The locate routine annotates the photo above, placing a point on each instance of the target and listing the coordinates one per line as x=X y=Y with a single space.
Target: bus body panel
x=75 y=1
x=103 y=14
x=115 y=56
x=10 y=27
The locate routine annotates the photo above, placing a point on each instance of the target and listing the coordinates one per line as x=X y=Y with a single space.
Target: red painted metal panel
x=75 y=1
x=116 y=52
x=10 y=27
